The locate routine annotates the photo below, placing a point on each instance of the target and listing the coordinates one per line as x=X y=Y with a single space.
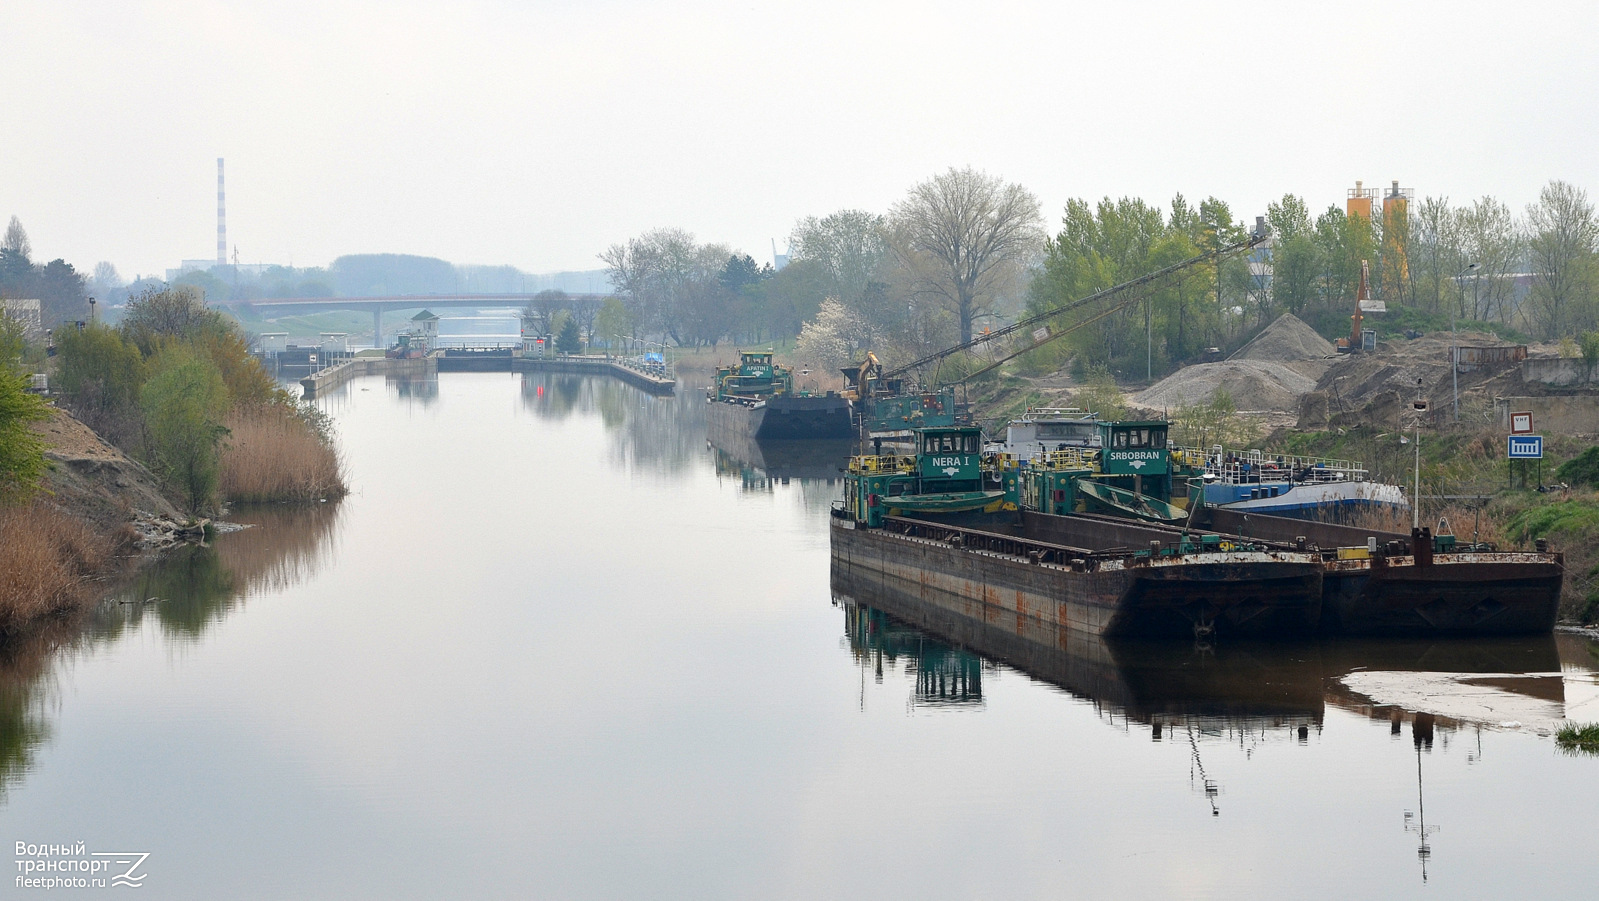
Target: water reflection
x=26 y=693
x=195 y=587
x=1231 y=690
x=186 y=593
x=663 y=434
x=421 y=389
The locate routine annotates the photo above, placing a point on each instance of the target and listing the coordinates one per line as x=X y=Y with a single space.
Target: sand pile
x=1255 y=386
x=1286 y=340
x=1269 y=374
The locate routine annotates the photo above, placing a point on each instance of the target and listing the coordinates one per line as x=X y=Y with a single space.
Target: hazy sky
x=536 y=133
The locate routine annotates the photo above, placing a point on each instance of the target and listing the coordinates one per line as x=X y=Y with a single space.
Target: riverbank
x=99 y=515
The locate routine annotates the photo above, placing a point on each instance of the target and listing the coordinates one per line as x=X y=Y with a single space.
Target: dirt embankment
x=91 y=480
x=1380 y=387
x=98 y=513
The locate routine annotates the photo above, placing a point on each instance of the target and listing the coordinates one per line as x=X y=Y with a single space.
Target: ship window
x=931 y=445
x=947 y=444
x=1158 y=438
x=971 y=444
x=1120 y=439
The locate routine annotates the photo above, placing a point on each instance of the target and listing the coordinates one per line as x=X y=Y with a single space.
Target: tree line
x=61 y=291
x=965 y=249
x=949 y=257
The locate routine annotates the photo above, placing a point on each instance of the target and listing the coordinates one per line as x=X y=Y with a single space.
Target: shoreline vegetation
x=161 y=424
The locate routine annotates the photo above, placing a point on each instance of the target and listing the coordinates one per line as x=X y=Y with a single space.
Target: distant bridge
x=377 y=304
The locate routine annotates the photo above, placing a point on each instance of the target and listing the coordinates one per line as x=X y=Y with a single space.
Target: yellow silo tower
x=1359 y=202
x=1396 y=242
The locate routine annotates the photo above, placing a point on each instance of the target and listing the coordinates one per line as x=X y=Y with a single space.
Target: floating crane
x=1036 y=331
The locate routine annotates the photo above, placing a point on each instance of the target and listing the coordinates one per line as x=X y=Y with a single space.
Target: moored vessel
x=940 y=522
x=755 y=400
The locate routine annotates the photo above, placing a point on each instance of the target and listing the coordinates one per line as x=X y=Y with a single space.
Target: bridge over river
x=379 y=303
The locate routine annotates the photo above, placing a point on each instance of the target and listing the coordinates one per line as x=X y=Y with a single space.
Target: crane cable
x=1246 y=244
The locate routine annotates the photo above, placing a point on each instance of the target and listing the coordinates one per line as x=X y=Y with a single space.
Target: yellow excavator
x=865 y=379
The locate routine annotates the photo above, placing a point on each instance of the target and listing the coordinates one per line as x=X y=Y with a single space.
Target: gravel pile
x=1268 y=375
x=1286 y=340
x=1255 y=386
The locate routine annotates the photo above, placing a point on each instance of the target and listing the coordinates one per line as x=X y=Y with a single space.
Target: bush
x=1573 y=737
x=21 y=451
x=184 y=402
x=277 y=452
x=100 y=374
x=1581 y=470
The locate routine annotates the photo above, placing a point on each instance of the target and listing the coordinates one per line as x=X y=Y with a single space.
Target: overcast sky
x=537 y=133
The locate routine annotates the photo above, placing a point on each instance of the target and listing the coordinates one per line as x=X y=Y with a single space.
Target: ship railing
x=1254 y=466
x=1066 y=458
x=883 y=463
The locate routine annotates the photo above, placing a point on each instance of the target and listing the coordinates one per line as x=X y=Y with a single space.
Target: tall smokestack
x=222 y=220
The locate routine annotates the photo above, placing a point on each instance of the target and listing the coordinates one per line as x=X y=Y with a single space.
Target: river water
x=553 y=646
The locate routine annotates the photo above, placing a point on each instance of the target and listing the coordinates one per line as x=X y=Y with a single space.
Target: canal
x=554 y=646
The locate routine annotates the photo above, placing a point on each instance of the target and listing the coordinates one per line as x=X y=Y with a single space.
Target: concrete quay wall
x=596 y=366
x=334 y=376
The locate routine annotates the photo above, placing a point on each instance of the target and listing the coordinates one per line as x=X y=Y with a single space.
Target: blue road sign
x=1525 y=447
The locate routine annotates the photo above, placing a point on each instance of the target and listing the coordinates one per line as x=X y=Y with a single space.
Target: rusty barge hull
x=1241 y=594
x=1403 y=594
x=782 y=418
x=1504 y=593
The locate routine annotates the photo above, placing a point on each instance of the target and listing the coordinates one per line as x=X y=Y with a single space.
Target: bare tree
x=1435 y=252
x=965 y=233
x=850 y=245
x=1492 y=240
x=584 y=309
x=16 y=240
x=1562 y=240
x=539 y=314
x=671 y=282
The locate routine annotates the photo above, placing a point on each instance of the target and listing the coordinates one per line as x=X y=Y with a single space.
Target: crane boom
x=1257 y=237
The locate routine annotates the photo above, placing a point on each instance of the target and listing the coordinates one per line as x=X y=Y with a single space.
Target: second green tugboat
x=756 y=400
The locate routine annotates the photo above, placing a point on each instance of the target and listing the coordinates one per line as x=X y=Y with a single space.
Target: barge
x=756 y=401
x=1374 y=582
x=938 y=522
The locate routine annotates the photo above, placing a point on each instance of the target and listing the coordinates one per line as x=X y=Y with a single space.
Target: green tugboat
x=755 y=400
x=941 y=524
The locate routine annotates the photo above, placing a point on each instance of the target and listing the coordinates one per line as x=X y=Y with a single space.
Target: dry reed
x=272 y=454
x=47 y=560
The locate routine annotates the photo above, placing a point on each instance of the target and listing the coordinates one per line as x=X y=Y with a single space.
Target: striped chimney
x=222 y=220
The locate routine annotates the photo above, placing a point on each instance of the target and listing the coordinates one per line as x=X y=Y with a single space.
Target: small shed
x=274 y=342
x=335 y=342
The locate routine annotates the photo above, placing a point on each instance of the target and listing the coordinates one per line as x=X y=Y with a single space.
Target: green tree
x=184 y=402
x=1436 y=254
x=100 y=374
x=12 y=345
x=851 y=246
x=21 y=451
x=613 y=320
x=570 y=340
